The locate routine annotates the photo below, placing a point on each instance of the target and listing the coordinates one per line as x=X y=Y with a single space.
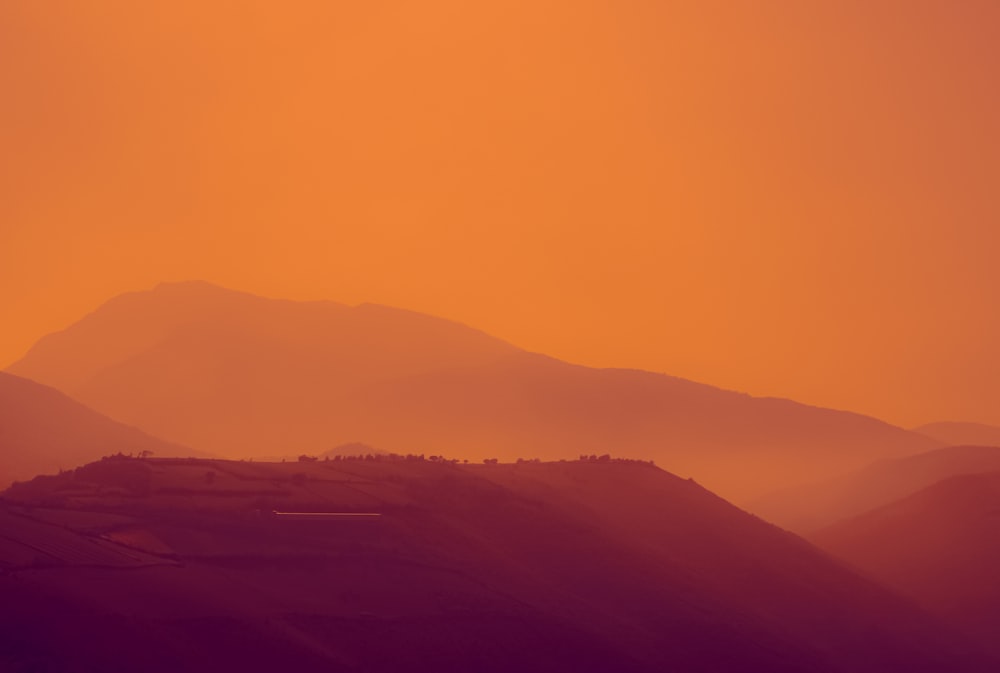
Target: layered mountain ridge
x=239 y=375
x=42 y=431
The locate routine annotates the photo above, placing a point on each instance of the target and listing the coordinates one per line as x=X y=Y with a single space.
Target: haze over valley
x=396 y=491
x=241 y=376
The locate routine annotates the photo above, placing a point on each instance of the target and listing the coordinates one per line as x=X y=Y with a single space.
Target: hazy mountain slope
x=366 y=342
x=536 y=567
x=241 y=375
x=940 y=546
x=813 y=506
x=43 y=430
x=956 y=433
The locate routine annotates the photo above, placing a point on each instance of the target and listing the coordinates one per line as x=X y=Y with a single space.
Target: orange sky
x=797 y=201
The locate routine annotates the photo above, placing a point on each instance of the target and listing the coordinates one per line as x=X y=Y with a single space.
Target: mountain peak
x=194 y=283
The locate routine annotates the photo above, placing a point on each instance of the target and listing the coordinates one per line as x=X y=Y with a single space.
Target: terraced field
x=30 y=541
x=159 y=565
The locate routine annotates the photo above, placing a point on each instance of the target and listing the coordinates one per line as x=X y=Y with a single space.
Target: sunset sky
x=788 y=198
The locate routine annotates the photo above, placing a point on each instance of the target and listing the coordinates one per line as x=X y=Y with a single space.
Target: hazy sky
x=788 y=198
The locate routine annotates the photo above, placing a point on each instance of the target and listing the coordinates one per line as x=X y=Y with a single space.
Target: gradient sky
x=782 y=197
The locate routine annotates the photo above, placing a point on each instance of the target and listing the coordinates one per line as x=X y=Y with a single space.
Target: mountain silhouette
x=955 y=433
x=42 y=431
x=239 y=375
x=566 y=566
x=817 y=505
x=939 y=546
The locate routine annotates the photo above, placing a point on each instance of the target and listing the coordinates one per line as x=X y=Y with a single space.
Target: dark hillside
x=575 y=566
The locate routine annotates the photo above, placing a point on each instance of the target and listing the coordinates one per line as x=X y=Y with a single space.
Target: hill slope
x=240 y=375
x=814 y=506
x=43 y=430
x=537 y=567
x=952 y=432
x=940 y=546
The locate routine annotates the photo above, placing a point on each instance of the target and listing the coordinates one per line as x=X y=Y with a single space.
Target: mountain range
x=239 y=375
x=813 y=506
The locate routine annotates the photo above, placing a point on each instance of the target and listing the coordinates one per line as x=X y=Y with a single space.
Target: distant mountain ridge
x=239 y=375
x=42 y=430
x=956 y=433
x=810 y=507
x=939 y=546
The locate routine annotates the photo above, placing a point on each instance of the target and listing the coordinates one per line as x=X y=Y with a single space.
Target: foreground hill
x=813 y=506
x=42 y=430
x=940 y=546
x=955 y=433
x=240 y=375
x=573 y=566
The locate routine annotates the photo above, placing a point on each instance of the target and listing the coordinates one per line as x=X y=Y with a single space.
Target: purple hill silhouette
x=939 y=546
x=569 y=566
